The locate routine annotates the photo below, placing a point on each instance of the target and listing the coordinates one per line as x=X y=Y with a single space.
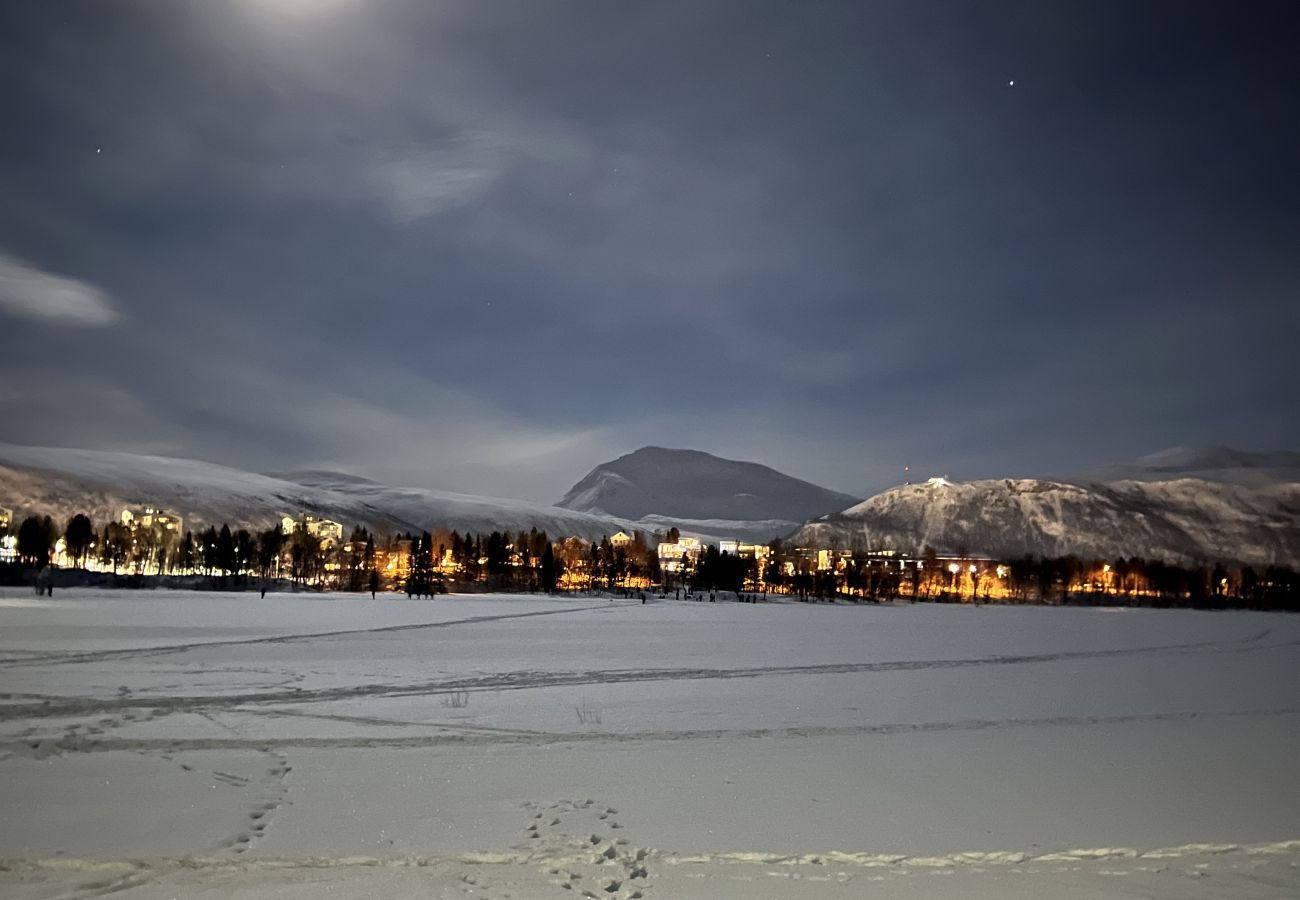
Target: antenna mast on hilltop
x=907 y=474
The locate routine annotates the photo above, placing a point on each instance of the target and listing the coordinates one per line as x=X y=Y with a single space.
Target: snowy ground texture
x=167 y=744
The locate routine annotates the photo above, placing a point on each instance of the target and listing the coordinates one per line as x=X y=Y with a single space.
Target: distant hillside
x=1249 y=513
x=692 y=485
x=62 y=482
x=1208 y=464
x=1180 y=520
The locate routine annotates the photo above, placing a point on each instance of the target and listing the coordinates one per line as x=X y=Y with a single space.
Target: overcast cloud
x=485 y=246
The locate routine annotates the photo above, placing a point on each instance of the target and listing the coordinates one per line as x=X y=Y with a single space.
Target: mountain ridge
x=1184 y=520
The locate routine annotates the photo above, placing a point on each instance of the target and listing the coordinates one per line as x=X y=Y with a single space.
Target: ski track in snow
x=77 y=743
x=60 y=658
x=53 y=706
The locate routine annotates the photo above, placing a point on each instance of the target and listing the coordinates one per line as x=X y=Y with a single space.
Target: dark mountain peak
x=692 y=484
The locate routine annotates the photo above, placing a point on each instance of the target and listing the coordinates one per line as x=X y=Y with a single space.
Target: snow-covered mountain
x=62 y=482
x=1251 y=514
x=684 y=485
x=1179 y=520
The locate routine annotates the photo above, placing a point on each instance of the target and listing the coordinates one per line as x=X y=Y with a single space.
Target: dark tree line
x=531 y=561
x=154 y=549
x=418 y=564
x=717 y=571
x=524 y=561
x=1030 y=579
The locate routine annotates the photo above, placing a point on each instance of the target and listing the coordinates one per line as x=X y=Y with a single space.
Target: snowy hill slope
x=1184 y=520
x=711 y=531
x=62 y=482
x=430 y=508
x=692 y=485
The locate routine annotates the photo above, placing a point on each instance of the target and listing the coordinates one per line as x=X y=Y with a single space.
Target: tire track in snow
x=526 y=680
x=81 y=744
x=388 y=723
x=62 y=657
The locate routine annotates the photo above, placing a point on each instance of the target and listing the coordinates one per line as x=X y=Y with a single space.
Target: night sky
x=486 y=245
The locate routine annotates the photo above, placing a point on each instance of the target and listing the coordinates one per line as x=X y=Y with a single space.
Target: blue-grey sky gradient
x=484 y=246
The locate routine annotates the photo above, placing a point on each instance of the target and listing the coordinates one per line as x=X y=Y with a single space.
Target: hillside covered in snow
x=62 y=482
x=1182 y=520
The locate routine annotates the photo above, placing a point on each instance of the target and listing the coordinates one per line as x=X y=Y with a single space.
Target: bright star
x=1011 y=83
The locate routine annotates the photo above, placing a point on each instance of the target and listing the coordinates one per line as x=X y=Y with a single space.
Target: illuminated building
x=329 y=532
x=737 y=548
x=149 y=517
x=674 y=557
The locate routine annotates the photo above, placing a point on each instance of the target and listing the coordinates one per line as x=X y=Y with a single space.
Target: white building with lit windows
x=147 y=517
x=326 y=530
x=677 y=556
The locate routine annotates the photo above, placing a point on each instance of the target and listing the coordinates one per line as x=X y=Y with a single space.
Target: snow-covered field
x=168 y=744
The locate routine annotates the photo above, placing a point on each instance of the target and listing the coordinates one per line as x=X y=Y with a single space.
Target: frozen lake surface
x=178 y=744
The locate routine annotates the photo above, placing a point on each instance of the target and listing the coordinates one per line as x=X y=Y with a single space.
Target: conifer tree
x=77 y=538
x=550 y=571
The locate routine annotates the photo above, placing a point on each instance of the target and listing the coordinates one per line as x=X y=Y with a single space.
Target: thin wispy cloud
x=415 y=183
x=30 y=293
